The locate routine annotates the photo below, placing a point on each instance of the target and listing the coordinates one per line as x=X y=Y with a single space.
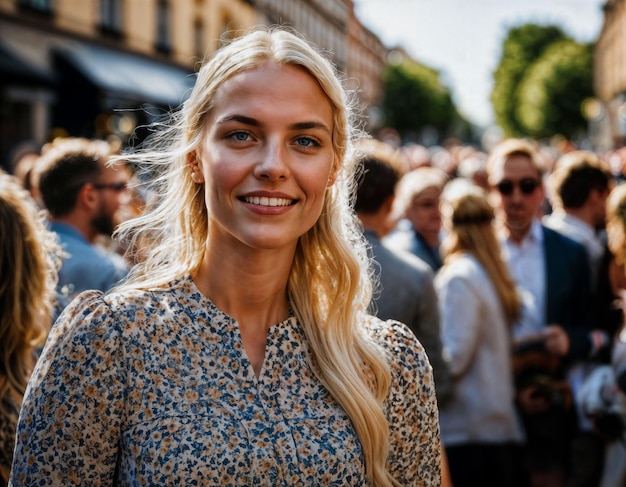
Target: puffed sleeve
x=411 y=408
x=69 y=426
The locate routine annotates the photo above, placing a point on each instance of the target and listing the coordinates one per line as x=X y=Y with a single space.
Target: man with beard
x=554 y=274
x=82 y=195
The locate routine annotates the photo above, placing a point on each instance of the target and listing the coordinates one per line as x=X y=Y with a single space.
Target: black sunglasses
x=114 y=186
x=526 y=186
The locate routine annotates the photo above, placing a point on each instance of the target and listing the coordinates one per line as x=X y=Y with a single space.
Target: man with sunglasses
x=82 y=194
x=552 y=271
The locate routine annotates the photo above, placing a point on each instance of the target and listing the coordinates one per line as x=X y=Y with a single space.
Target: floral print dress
x=155 y=388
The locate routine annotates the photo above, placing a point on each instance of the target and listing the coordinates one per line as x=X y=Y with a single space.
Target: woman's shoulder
x=179 y=291
x=397 y=341
x=119 y=309
x=87 y=321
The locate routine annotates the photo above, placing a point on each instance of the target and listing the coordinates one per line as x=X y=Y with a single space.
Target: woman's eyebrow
x=240 y=118
x=309 y=125
x=256 y=123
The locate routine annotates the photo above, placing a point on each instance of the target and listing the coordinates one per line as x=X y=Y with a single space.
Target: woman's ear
x=332 y=177
x=194 y=165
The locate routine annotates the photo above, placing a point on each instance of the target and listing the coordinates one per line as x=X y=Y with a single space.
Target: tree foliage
x=522 y=47
x=415 y=99
x=553 y=90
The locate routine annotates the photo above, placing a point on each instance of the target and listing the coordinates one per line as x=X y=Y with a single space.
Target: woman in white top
x=478 y=304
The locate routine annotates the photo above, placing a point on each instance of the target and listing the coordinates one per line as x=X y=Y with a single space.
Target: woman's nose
x=273 y=164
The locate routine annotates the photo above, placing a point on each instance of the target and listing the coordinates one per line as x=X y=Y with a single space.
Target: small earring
x=195 y=177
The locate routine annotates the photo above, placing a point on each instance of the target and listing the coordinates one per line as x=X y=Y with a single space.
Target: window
x=36 y=6
x=111 y=16
x=163 y=27
x=16 y=120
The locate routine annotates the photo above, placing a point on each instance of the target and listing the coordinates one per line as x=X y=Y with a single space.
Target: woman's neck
x=247 y=283
x=250 y=287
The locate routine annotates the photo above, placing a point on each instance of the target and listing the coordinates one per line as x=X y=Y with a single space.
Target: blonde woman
x=239 y=352
x=478 y=304
x=28 y=266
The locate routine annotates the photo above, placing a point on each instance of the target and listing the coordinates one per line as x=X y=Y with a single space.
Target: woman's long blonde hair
x=469 y=219
x=29 y=263
x=329 y=287
x=616 y=223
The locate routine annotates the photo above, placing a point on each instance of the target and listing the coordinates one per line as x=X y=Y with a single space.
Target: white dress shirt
x=526 y=263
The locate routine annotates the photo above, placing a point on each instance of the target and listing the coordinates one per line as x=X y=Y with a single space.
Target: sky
x=462 y=38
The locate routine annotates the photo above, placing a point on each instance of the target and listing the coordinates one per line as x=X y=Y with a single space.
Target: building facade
x=102 y=68
x=610 y=77
x=332 y=25
x=323 y=22
x=367 y=59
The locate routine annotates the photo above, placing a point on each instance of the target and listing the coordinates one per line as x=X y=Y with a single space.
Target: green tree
x=522 y=46
x=415 y=98
x=552 y=92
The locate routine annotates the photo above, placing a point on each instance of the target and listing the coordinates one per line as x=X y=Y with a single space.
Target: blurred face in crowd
x=519 y=192
x=112 y=192
x=424 y=213
x=267 y=157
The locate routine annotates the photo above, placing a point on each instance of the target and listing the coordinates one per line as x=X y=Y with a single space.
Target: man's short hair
x=576 y=175
x=65 y=168
x=377 y=177
x=511 y=148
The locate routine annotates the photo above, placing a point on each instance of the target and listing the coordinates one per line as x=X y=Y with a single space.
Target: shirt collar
x=67 y=230
x=534 y=235
x=536 y=232
x=579 y=224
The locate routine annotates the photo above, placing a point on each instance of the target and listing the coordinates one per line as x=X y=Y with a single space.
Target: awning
x=128 y=75
x=14 y=69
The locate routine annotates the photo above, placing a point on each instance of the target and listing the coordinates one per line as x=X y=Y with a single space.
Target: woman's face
x=267 y=157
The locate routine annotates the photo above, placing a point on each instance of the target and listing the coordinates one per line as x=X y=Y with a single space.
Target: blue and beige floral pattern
x=154 y=388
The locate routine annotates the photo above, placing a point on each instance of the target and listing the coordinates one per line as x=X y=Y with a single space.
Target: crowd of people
x=263 y=295
x=530 y=297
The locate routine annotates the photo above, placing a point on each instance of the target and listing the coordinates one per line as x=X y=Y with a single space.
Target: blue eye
x=239 y=136
x=306 y=142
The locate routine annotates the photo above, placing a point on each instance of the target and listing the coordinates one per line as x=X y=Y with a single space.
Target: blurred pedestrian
x=479 y=304
x=420 y=232
x=239 y=352
x=82 y=194
x=406 y=292
x=29 y=260
x=578 y=188
x=612 y=398
x=553 y=271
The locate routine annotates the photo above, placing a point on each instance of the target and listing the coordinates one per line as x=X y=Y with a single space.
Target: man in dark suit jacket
x=568 y=290
x=553 y=271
